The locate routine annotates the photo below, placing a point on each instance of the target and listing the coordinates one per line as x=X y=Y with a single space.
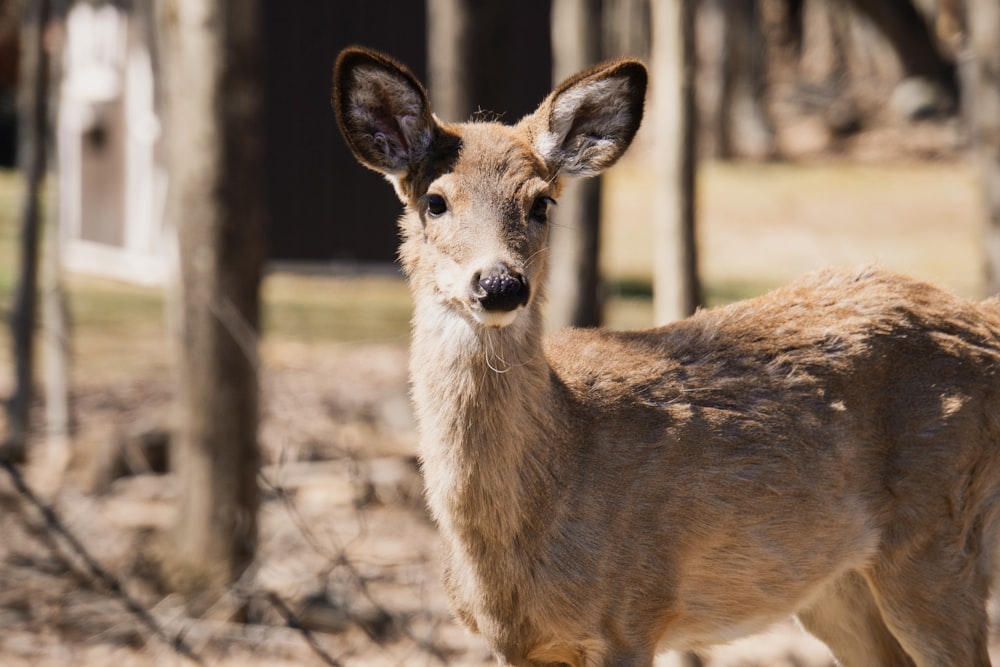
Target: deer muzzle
x=500 y=289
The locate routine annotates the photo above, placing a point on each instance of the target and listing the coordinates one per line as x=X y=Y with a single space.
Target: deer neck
x=483 y=399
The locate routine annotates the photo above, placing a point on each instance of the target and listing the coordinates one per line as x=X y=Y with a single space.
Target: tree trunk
x=626 y=28
x=744 y=125
x=51 y=462
x=464 y=72
x=911 y=38
x=672 y=120
x=984 y=41
x=33 y=121
x=448 y=63
x=213 y=103
x=574 y=286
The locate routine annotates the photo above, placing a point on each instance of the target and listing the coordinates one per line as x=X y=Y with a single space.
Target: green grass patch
x=721 y=292
x=321 y=309
x=8 y=256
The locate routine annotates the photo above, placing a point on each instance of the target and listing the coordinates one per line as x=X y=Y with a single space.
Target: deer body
x=828 y=450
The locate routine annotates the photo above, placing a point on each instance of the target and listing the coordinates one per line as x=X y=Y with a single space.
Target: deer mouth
x=494 y=319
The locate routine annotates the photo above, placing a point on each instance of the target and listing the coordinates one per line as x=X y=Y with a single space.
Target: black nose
x=499 y=288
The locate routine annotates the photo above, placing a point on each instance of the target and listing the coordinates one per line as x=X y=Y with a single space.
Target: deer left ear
x=382 y=111
x=585 y=125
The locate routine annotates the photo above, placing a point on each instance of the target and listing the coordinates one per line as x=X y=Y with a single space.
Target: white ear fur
x=589 y=121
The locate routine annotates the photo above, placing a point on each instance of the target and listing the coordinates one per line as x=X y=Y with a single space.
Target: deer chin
x=496 y=319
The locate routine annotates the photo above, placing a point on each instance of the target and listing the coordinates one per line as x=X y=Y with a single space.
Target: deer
x=829 y=451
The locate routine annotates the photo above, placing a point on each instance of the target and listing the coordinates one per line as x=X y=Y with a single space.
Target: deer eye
x=540 y=209
x=436 y=205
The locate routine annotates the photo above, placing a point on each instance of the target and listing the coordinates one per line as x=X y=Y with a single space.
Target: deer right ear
x=382 y=111
x=586 y=124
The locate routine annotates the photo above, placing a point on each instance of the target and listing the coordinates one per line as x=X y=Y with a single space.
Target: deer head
x=477 y=194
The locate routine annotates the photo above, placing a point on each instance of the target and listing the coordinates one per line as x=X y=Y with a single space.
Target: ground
x=347 y=549
x=348 y=567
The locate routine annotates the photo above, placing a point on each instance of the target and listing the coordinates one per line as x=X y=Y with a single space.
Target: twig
x=95 y=569
x=340 y=559
x=292 y=621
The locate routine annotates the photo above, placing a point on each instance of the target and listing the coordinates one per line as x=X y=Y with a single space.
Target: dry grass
x=760 y=225
x=778 y=222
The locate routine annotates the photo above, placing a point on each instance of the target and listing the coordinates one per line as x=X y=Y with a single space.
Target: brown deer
x=829 y=450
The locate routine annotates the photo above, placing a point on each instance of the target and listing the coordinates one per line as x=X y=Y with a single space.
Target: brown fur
x=828 y=450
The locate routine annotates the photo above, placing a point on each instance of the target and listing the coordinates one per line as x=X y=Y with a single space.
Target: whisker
x=489 y=350
x=532 y=256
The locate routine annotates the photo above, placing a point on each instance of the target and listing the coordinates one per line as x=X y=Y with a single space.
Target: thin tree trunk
x=33 y=122
x=675 y=279
x=984 y=41
x=57 y=453
x=744 y=125
x=464 y=38
x=213 y=100
x=574 y=286
x=448 y=60
x=626 y=28
x=911 y=38
x=51 y=462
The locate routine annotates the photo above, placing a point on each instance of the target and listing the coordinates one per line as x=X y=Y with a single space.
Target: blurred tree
x=574 y=297
x=983 y=20
x=213 y=103
x=672 y=123
x=913 y=41
x=463 y=69
x=32 y=123
x=449 y=59
x=626 y=28
x=743 y=123
x=9 y=67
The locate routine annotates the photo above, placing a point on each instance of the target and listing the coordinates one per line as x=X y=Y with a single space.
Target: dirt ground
x=348 y=554
x=348 y=566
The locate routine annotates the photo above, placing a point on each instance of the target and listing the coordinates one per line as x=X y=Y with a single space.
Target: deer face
x=477 y=232
x=477 y=195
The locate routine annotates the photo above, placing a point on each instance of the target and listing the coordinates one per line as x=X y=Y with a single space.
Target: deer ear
x=586 y=124
x=382 y=111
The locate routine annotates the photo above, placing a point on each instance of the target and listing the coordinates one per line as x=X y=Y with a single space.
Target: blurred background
x=207 y=446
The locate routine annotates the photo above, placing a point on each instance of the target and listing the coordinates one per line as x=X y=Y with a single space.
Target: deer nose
x=499 y=288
